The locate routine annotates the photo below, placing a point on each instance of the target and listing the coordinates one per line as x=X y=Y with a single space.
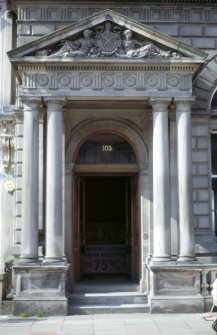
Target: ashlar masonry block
x=203 y=195
x=201 y=208
x=199 y=130
x=203 y=222
x=200 y=182
x=200 y=156
x=202 y=169
x=202 y=143
x=204 y=43
x=190 y=30
x=40 y=29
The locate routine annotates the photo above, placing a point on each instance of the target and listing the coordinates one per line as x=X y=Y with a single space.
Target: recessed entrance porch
x=105 y=201
x=107 y=270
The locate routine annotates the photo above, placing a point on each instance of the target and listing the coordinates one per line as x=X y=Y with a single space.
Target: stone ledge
x=50 y=307
x=177 y=304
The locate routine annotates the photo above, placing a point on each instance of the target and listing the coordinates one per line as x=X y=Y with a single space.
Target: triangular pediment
x=107 y=34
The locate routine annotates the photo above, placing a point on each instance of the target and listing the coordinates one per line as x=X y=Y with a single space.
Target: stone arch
x=205 y=85
x=122 y=128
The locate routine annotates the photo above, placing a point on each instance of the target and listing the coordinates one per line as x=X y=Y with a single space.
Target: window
x=106 y=149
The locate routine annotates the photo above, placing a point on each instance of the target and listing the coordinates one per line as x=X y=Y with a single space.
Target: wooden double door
x=106 y=224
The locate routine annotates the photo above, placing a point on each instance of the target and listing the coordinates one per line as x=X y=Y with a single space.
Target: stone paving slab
x=112 y=324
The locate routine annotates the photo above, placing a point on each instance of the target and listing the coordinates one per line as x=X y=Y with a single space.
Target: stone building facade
x=108 y=150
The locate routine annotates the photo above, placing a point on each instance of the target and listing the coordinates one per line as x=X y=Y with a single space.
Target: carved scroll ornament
x=7 y=150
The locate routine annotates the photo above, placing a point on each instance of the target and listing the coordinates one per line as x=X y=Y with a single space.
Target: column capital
x=30 y=104
x=183 y=103
x=54 y=103
x=160 y=104
x=30 y=100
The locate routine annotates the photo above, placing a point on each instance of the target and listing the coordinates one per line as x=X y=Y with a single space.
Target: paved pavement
x=107 y=324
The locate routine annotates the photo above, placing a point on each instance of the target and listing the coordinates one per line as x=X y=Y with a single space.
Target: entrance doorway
x=105 y=225
x=106 y=232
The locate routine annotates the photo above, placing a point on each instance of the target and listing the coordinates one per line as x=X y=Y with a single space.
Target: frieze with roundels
x=143 y=13
x=111 y=80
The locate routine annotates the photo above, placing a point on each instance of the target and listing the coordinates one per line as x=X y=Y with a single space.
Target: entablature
x=107 y=55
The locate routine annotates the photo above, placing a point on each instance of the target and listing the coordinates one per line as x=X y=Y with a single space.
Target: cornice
x=177 y=65
x=148 y=2
x=15 y=4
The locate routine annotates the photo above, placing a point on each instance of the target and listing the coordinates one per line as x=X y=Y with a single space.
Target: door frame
x=95 y=171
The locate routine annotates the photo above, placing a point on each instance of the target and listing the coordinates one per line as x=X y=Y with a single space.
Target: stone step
x=117 y=298
x=107 y=296
x=107 y=299
x=105 y=287
x=108 y=309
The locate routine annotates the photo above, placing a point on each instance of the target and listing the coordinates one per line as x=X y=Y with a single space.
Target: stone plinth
x=40 y=289
x=3 y=278
x=175 y=289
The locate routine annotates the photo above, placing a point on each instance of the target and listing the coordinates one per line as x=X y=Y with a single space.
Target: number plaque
x=107 y=148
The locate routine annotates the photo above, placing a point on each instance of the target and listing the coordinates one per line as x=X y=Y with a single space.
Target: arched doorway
x=106 y=190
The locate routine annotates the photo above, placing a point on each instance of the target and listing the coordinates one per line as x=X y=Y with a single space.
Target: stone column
x=144 y=198
x=186 y=225
x=161 y=193
x=69 y=219
x=54 y=229
x=29 y=236
x=41 y=168
x=173 y=187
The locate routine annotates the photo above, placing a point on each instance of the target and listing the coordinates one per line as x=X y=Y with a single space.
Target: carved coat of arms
x=107 y=41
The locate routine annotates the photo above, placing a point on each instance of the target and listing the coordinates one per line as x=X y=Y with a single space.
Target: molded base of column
x=161 y=259
x=54 y=261
x=40 y=288
x=187 y=259
x=29 y=261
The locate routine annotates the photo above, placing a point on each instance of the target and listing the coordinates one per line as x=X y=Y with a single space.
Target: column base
x=54 y=261
x=161 y=259
x=187 y=259
x=40 y=289
x=29 y=261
